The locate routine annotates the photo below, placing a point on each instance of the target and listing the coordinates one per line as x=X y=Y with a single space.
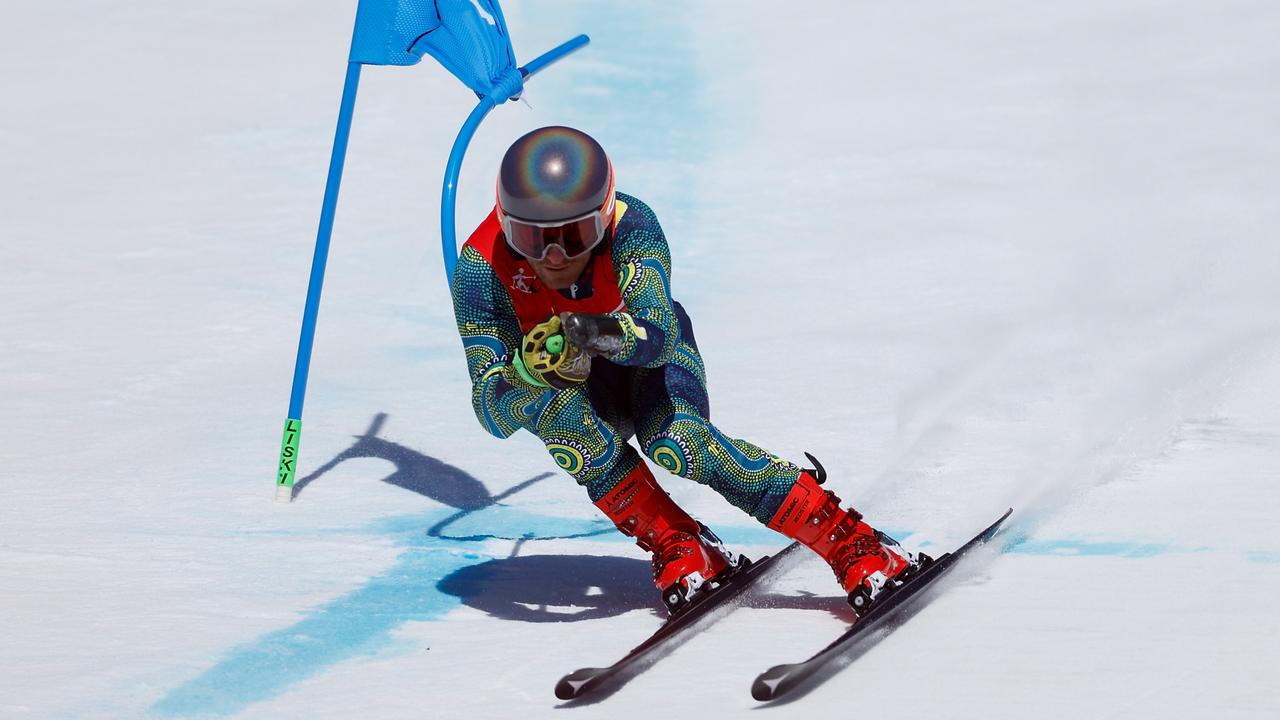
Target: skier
x=563 y=301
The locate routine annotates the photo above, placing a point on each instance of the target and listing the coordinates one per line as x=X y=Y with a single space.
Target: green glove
x=547 y=359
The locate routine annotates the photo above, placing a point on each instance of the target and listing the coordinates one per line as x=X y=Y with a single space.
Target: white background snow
x=971 y=255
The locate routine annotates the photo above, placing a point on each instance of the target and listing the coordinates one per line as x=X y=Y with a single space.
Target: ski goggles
x=576 y=237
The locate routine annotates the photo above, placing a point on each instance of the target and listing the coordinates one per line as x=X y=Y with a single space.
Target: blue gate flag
x=468 y=37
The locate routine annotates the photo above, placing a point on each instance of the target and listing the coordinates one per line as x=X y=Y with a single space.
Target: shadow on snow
x=442 y=565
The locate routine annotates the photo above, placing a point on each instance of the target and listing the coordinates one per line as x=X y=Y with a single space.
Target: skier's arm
x=649 y=327
x=503 y=400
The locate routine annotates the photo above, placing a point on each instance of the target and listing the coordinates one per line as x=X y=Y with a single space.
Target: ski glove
x=548 y=359
x=595 y=334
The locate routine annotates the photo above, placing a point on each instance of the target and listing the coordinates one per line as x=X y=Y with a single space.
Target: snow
x=971 y=255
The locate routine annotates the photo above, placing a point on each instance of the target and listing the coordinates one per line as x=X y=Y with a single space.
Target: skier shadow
x=528 y=588
x=435 y=571
x=572 y=588
x=533 y=588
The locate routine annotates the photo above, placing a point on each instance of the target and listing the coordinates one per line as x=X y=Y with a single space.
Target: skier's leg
x=672 y=414
x=597 y=455
x=585 y=445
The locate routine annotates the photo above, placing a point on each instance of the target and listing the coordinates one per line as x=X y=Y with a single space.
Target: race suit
x=653 y=389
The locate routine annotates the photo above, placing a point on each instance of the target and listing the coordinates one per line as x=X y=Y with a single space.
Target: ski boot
x=867 y=563
x=688 y=559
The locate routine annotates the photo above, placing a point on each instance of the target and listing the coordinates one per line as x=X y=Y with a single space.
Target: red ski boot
x=687 y=557
x=865 y=561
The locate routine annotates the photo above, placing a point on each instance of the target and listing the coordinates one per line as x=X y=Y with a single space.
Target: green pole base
x=288 y=459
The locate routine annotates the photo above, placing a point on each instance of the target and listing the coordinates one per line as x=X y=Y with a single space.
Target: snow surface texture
x=970 y=254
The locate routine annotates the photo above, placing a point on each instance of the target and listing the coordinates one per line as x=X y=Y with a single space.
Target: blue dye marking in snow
x=361 y=623
x=1083 y=548
x=358 y=623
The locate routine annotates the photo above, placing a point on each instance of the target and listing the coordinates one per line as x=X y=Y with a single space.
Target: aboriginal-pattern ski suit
x=654 y=389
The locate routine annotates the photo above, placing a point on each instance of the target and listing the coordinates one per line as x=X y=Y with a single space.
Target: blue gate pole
x=293 y=424
x=449 y=195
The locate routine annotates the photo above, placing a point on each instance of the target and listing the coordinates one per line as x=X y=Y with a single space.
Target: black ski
x=782 y=679
x=589 y=680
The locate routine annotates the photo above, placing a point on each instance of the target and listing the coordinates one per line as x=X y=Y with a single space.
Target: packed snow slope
x=971 y=255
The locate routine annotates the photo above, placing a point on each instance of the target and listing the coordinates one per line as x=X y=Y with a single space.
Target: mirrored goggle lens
x=574 y=237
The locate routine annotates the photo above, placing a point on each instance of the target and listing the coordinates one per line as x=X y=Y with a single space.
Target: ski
x=585 y=681
x=782 y=679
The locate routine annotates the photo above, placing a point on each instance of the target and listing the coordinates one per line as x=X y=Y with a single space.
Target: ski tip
x=992 y=529
x=573 y=684
x=760 y=691
x=765 y=687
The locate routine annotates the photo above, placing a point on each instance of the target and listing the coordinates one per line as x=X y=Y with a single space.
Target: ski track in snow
x=970 y=256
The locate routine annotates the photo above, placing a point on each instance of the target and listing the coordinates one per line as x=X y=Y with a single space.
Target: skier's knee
x=572 y=457
x=682 y=446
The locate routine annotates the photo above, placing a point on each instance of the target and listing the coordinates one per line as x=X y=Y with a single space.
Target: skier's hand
x=548 y=359
x=595 y=334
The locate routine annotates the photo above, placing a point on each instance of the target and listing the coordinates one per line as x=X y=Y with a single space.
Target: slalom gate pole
x=293 y=423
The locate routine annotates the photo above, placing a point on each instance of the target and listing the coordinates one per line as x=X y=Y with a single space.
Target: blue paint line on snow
x=1085 y=548
x=1070 y=547
x=359 y=623
x=362 y=622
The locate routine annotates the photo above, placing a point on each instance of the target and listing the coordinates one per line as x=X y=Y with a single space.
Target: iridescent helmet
x=555 y=188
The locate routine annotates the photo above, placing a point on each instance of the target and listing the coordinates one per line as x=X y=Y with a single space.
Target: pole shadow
x=415 y=472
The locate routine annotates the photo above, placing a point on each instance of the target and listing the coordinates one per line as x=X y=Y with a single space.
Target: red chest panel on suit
x=532 y=300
